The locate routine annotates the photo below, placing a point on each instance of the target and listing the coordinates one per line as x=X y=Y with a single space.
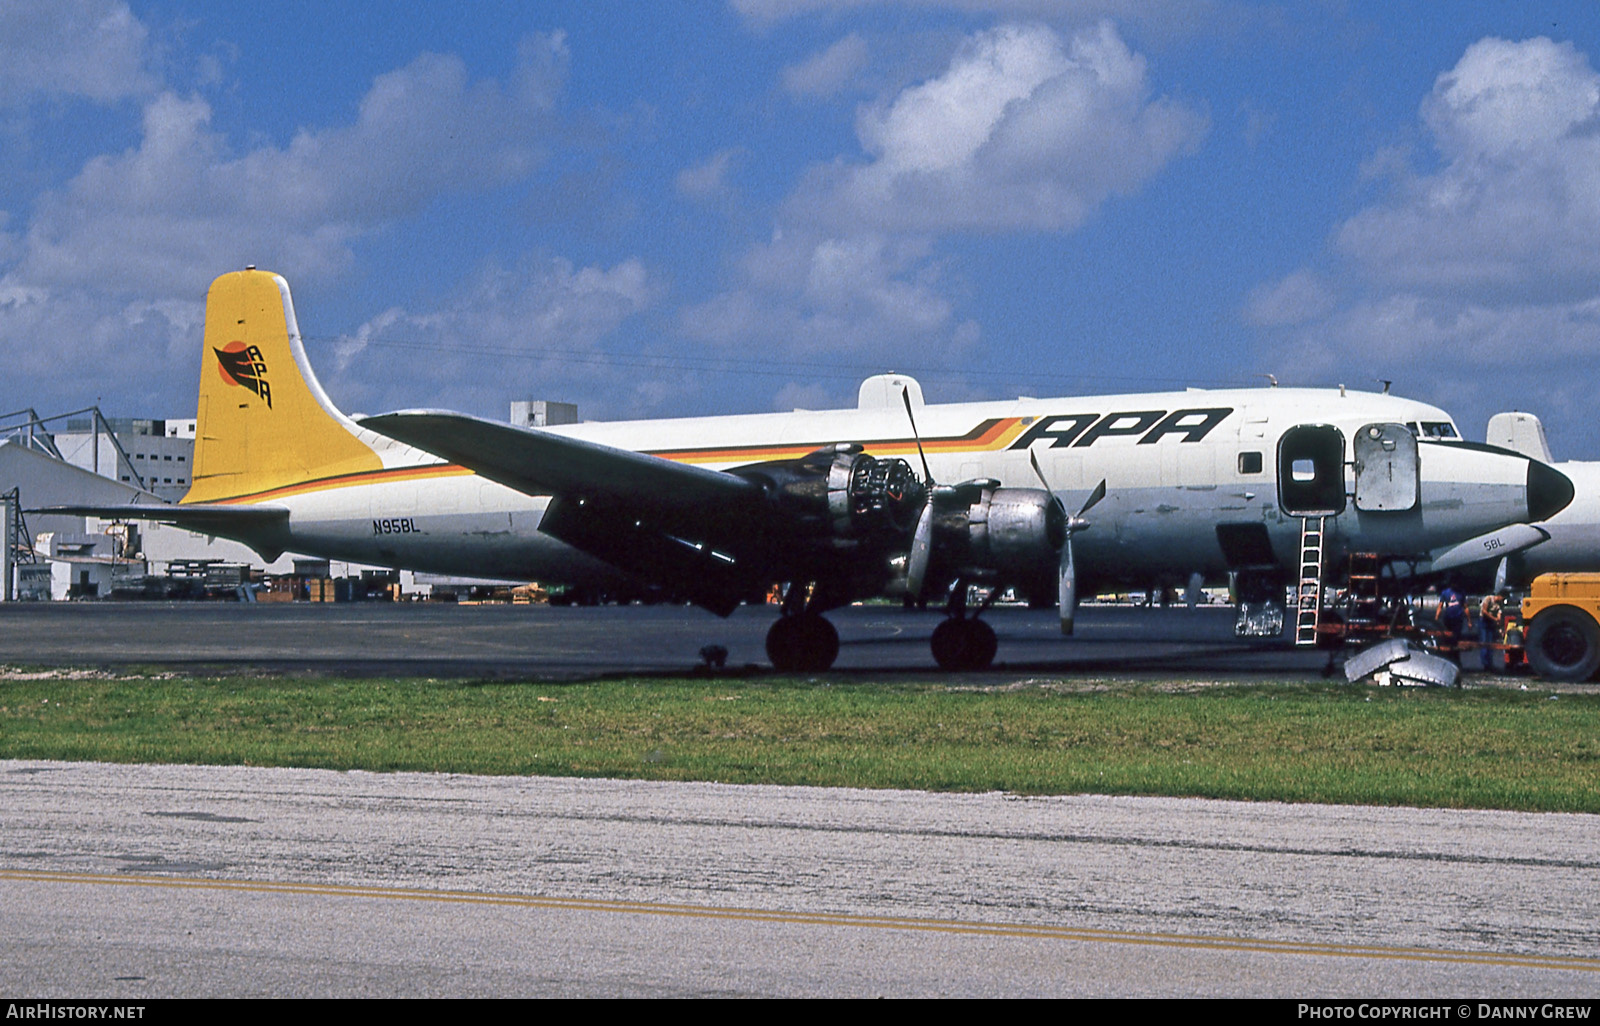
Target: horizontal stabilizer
x=260 y=527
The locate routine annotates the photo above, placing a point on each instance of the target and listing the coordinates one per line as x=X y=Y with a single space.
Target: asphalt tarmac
x=540 y=642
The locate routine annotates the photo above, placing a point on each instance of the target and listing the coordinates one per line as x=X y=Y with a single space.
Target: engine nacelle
x=842 y=492
x=983 y=530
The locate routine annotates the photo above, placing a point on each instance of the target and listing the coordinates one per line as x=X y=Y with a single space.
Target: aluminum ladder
x=1308 y=600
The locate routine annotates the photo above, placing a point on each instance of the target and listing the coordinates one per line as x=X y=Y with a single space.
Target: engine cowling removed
x=841 y=492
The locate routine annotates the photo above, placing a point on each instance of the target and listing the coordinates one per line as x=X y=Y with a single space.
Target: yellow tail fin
x=264 y=423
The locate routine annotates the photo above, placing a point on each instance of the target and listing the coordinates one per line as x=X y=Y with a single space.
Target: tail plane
x=264 y=422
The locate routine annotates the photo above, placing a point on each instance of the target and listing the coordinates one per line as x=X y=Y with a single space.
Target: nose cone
x=1549 y=491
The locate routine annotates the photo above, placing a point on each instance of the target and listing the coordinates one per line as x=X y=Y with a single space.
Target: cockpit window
x=1437 y=430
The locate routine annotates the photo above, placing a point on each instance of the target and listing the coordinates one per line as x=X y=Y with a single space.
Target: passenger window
x=1303 y=470
x=1249 y=463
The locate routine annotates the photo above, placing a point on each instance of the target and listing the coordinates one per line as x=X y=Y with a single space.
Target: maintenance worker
x=1491 y=620
x=1452 y=619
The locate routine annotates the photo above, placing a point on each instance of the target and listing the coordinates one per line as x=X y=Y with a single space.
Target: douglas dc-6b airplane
x=828 y=504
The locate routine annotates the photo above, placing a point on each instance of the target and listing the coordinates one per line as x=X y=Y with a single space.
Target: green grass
x=1478 y=748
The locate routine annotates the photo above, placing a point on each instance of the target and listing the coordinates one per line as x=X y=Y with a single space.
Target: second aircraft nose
x=1549 y=491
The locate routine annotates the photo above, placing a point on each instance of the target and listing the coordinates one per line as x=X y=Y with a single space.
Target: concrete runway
x=148 y=881
x=538 y=642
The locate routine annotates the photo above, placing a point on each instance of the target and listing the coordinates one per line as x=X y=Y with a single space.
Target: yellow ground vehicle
x=1562 y=614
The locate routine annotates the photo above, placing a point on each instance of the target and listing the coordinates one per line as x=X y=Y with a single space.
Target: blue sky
x=720 y=206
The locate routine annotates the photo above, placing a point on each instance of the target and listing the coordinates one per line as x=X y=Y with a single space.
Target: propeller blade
x=921 y=551
x=1068 y=587
x=1068 y=581
x=1094 y=497
x=1034 y=462
x=905 y=397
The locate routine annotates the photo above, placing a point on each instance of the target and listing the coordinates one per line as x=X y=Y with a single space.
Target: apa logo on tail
x=243 y=365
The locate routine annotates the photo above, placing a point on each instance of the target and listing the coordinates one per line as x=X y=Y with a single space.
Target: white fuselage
x=1176 y=465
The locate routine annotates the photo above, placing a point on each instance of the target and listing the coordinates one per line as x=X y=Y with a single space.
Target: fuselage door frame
x=1311 y=471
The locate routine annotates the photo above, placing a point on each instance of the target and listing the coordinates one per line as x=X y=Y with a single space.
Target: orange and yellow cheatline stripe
x=992 y=434
x=321 y=484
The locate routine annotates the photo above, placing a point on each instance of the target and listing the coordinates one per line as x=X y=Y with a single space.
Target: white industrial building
x=156 y=455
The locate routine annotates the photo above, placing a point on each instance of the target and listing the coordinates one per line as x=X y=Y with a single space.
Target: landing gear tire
x=802 y=643
x=964 y=644
x=1564 y=644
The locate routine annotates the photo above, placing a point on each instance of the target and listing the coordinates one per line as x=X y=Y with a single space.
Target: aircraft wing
x=545 y=463
x=671 y=522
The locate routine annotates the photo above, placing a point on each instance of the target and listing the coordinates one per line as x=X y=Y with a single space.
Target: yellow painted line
x=948 y=926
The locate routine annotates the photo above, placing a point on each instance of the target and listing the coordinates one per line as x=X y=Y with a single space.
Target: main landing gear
x=803 y=641
x=963 y=642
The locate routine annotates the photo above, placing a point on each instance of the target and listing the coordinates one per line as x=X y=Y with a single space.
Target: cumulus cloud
x=180 y=205
x=767 y=12
x=1515 y=204
x=829 y=72
x=864 y=298
x=1482 y=269
x=106 y=274
x=1295 y=299
x=93 y=49
x=1022 y=131
x=709 y=178
x=537 y=324
x=1473 y=358
x=70 y=346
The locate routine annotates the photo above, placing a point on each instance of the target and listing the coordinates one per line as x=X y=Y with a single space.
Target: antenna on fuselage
x=1270 y=377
